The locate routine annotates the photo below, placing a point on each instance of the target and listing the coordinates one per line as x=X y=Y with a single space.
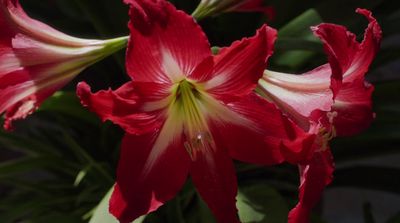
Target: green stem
x=202 y=11
x=113 y=45
x=198 y=12
x=110 y=47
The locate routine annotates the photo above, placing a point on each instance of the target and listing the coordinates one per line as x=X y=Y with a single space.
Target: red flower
x=333 y=99
x=188 y=112
x=36 y=60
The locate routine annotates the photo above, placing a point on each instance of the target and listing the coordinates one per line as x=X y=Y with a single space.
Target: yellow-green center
x=188 y=98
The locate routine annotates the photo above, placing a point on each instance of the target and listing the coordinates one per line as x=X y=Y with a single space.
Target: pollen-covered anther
x=325 y=136
x=331 y=116
x=202 y=142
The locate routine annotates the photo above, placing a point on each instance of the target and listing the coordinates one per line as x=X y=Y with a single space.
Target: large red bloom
x=36 y=60
x=188 y=112
x=333 y=99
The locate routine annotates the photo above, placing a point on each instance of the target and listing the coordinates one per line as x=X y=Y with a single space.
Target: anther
x=331 y=116
x=199 y=143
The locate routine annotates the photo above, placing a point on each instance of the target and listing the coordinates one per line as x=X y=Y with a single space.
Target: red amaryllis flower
x=333 y=99
x=188 y=112
x=215 y=7
x=36 y=60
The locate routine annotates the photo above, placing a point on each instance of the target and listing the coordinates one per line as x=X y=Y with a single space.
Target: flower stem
x=113 y=45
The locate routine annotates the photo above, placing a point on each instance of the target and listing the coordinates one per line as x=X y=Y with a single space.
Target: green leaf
x=395 y=218
x=192 y=206
x=27 y=164
x=299 y=31
x=293 y=43
x=85 y=156
x=80 y=176
x=262 y=204
x=102 y=215
x=26 y=145
x=300 y=26
x=368 y=216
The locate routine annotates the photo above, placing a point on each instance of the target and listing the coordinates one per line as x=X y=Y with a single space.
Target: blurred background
x=58 y=164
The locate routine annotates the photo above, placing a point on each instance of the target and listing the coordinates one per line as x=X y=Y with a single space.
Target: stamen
x=200 y=143
x=188 y=99
x=331 y=116
x=325 y=137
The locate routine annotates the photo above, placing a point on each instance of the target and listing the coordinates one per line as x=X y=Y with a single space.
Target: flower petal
x=25 y=52
x=353 y=105
x=141 y=189
x=214 y=176
x=22 y=95
x=165 y=44
x=341 y=47
x=125 y=106
x=300 y=147
x=14 y=20
x=259 y=141
x=17 y=101
x=353 y=108
x=313 y=179
x=299 y=96
x=238 y=67
x=367 y=49
x=267 y=133
x=24 y=99
x=348 y=58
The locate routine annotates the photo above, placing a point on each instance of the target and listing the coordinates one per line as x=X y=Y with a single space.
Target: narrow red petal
x=367 y=49
x=214 y=176
x=142 y=188
x=313 y=179
x=124 y=106
x=341 y=47
x=165 y=43
x=238 y=68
